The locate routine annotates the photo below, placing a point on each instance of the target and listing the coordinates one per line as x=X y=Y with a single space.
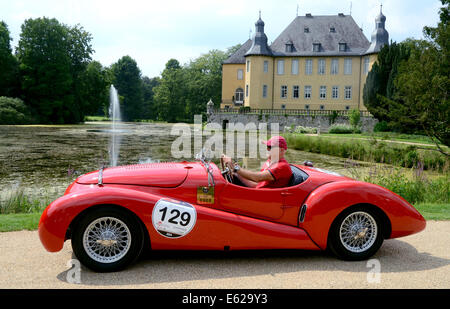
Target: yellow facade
x=259 y=75
x=231 y=82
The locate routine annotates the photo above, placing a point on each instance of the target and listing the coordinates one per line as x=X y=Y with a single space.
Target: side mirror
x=308 y=163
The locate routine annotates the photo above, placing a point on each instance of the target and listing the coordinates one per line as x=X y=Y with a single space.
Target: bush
x=342 y=129
x=381 y=126
x=308 y=130
x=14 y=111
x=419 y=189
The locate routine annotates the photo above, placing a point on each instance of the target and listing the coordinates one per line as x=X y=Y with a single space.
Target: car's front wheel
x=356 y=234
x=107 y=239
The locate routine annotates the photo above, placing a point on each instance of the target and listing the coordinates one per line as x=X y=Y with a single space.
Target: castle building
x=316 y=63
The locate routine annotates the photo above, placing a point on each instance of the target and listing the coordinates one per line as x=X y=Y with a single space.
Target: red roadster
x=111 y=214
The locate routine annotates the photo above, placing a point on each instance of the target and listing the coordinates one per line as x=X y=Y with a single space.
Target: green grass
x=18 y=222
x=432 y=211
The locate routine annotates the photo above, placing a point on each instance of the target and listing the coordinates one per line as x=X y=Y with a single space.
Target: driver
x=275 y=173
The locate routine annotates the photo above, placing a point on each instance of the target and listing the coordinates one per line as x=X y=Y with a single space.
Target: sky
x=152 y=32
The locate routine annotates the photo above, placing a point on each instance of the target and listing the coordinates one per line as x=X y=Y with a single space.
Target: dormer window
x=342 y=47
x=332 y=30
x=290 y=47
x=316 y=47
x=306 y=30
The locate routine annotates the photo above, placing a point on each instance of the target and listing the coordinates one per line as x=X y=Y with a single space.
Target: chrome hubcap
x=107 y=240
x=358 y=232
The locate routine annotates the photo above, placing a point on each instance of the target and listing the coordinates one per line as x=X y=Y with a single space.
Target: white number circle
x=173 y=219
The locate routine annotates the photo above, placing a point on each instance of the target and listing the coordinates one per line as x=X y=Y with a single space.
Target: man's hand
x=228 y=162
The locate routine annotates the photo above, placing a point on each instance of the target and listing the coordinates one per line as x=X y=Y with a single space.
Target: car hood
x=166 y=175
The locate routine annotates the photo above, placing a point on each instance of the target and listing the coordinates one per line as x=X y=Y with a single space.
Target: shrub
x=13 y=111
x=340 y=129
x=308 y=130
x=381 y=126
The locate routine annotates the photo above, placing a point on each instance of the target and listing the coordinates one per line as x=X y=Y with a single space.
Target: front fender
x=57 y=217
x=326 y=202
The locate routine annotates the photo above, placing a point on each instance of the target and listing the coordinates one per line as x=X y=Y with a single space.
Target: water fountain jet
x=115 y=116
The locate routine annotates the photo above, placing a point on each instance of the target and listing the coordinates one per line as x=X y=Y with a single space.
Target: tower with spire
x=380 y=36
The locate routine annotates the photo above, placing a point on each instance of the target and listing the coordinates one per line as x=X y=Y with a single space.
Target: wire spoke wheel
x=107 y=240
x=358 y=232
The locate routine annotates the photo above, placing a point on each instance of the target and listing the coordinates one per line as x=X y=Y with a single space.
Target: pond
x=45 y=159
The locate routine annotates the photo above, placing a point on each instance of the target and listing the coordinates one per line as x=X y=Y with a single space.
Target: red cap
x=277 y=141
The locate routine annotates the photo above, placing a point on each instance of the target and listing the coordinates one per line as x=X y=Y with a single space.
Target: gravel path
x=418 y=261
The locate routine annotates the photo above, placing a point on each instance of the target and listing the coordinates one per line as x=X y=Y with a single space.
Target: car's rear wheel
x=107 y=239
x=356 y=234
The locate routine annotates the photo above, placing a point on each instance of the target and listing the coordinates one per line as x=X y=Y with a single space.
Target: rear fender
x=326 y=202
x=56 y=218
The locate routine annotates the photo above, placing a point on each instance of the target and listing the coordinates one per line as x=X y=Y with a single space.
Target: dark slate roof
x=239 y=55
x=346 y=31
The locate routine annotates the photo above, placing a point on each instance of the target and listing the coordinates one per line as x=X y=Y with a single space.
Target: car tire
x=356 y=234
x=107 y=239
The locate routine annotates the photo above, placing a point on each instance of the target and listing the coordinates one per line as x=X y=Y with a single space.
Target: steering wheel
x=226 y=172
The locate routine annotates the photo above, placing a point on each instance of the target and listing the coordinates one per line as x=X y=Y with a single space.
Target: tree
x=127 y=81
x=9 y=77
x=424 y=82
x=204 y=81
x=45 y=69
x=379 y=91
x=170 y=94
x=149 y=106
x=52 y=59
x=94 y=89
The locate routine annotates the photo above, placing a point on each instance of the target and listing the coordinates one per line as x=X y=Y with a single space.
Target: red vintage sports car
x=111 y=214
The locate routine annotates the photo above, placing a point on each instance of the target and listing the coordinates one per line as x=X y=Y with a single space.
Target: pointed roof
x=259 y=44
x=329 y=31
x=380 y=36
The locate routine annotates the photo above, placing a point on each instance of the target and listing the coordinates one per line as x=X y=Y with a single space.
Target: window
x=248 y=66
x=316 y=47
x=283 y=92
x=266 y=66
x=308 y=90
x=321 y=67
x=294 y=67
x=334 y=66
x=280 y=67
x=283 y=106
x=290 y=47
x=335 y=92
x=264 y=94
x=348 y=92
x=240 y=74
x=239 y=96
x=308 y=66
x=366 y=65
x=322 y=107
x=246 y=90
x=348 y=66
x=306 y=30
x=306 y=106
x=342 y=47
x=323 y=92
x=295 y=92
x=332 y=30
